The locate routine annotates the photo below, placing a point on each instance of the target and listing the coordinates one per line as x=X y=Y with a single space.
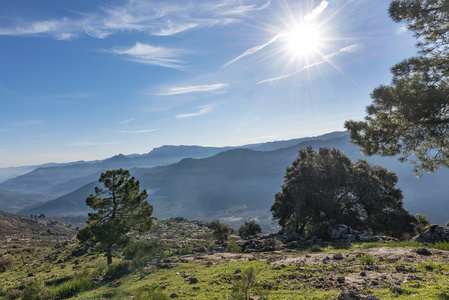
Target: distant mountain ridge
x=241 y=183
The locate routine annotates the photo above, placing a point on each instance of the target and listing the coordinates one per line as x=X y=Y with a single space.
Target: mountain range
x=230 y=183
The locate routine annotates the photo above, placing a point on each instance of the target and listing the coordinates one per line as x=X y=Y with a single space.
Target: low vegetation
x=175 y=260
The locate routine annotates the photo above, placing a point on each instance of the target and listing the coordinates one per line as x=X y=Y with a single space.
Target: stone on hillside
x=349 y=295
x=342 y=232
x=396 y=289
x=193 y=280
x=294 y=245
x=338 y=256
x=433 y=234
x=216 y=248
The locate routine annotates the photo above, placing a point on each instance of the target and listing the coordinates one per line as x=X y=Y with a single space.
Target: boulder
x=432 y=235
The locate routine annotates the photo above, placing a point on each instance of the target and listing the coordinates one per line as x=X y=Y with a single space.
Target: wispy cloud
x=316 y=11
x=308 y=18
x=147 y=54
x=137 y=131
x=125 y=122
x=153 y=17
x=254 y=50
x=202 y=110
x=95 y=144
x=325 y=59
x=63 y=29
x=194 y=88
x=28 y=123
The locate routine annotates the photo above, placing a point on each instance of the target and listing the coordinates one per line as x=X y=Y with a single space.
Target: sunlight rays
x=304 y=41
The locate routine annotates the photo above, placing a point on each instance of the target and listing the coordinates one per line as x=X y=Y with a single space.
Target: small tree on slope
x=120 y=209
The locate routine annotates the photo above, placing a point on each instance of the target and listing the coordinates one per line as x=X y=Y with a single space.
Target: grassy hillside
x=179 y=262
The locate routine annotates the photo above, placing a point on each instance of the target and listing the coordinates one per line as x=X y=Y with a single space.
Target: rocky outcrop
x=345 y=233
x=433 y=234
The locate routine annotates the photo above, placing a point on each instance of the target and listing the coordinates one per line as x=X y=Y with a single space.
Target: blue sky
x=88 y=79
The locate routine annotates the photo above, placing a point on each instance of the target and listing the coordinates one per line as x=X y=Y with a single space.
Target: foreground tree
x=121 y=209
x=325 y=188
x=410 y=117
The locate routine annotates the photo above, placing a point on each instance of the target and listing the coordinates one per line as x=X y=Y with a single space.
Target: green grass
x=367 y=260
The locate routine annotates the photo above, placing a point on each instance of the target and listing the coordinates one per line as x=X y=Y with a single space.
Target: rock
x=193 y=280
x=294 y=245
x=401 y=269
x=338 y=256
x=201 y=249
x=341 y=279
x=216 y=248
x=349 y=295
x=363 y=273
x=173 y=295
x=196 y=288
x=396 y=289
x=433 y=234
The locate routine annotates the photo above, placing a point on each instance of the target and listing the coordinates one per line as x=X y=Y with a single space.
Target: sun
x=302 y=40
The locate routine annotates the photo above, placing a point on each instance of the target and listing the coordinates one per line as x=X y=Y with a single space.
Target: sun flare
x=302 y=40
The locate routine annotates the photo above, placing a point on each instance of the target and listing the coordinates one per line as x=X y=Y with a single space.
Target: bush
x=117 y=270
x=143 y=253
x=246 y=286
x=233 y=247
x=5 y=264
x=14 y=294
x=35 y=290
x=420 y=223
x=221 y=231
x=249 y=228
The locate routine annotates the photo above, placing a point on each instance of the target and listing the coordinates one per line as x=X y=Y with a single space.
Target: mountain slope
x=241 y=183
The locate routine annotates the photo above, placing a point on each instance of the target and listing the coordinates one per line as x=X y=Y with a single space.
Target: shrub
x=367 y=260
x=14 y=294
x=35 y=290
x=142 y=253
x=246 y=286
x=249 y=228
x=233 y=247
x=272 y=244
x=316 y=248
x=221 y=231
x=5 y=264
x=117 y=270
x=420 y=223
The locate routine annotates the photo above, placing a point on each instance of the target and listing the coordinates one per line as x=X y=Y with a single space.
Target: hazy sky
x=88 y=79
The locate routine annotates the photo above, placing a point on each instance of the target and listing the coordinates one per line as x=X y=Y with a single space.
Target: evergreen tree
x=410 y=117
x=325 y=188
x=120 y=209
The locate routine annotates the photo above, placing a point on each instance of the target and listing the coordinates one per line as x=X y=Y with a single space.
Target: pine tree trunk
x=109 y=254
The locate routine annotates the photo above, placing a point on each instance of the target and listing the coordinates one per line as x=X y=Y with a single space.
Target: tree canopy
x=120 y=209
x=410 y=117
x=325 y=188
